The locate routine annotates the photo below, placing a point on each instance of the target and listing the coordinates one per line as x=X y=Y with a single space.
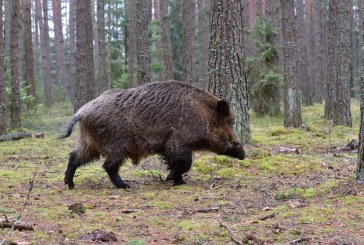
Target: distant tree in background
x=102 y=78
x=3 y=107
x=203 y=34
x=29 y=59
x=72 y=50
x=292 y=103
x=131 y=41
x=14 y=49
x=45 y=49
x=303 y=38
x=264 y=74
x=84 y=53
x=166 y=41
x=188 y=27
x=337 y=102
x=227 y=65
x=143 y=53
x=58 y=41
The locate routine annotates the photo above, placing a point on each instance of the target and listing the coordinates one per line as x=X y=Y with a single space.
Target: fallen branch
x=206 y=210
x=231 y=233
x=17 y=225
x=15 y=136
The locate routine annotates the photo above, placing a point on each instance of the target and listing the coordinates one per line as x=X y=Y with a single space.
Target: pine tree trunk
x=3 y=108
x=108 y=58
x=292 y=105
x=102 y=79
x=132 y=42
x=303 y=50
x=72 y=51
x=29 y=59
x=360 y=162
x=58 y=38
x=323 y=48
x=45 y=49
x=203 y=30
x=273 y=15
x=14 y=49
x=7 y=25
x=188 y=22
x=316 y=52
x=227 y=65
x=143 y=52
x=342 y=113
x=84 y=53
x=166 y=41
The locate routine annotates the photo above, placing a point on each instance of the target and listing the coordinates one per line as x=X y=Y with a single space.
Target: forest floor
x=297 y=186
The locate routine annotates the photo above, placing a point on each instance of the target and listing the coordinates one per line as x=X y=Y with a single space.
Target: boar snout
x=236 y=150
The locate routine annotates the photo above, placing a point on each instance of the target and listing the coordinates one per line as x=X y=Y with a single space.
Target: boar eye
x=231 y=124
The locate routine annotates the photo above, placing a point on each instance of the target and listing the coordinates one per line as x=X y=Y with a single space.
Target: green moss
x=245 y=163
x=310 y=192
x=228 y=173
x=136 y=242
x=289 y=194
x=257 y=153
x=163 y=205
x=188 y=225
x=279 y=131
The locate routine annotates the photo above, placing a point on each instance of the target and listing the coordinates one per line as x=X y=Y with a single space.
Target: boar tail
x=72 y=123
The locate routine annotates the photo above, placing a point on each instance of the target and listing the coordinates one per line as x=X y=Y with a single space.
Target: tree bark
x=188 y=20
x=102 y=79
x=292 y=104
x=360 y=162
x=58 y=38
x=203 y=30
x=72 y=51
x=337 y=103
x=3 y=107
x=29 y=59
x=132 y=42
x=227 y=61
x=342 y=103
x=303 y=50
x=143 y=52
x=84 y=53
x=166 y=41
x=14 y=48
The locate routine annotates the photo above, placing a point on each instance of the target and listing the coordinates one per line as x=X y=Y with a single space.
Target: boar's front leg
x=112 y=169
x=178 y=164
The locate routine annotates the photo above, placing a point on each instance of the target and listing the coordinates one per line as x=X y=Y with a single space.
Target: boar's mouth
x=235 y=151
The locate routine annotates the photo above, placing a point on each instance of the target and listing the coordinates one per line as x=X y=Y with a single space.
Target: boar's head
x=224 y=139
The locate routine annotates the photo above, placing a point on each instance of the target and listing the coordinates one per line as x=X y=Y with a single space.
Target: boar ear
x=223 y=108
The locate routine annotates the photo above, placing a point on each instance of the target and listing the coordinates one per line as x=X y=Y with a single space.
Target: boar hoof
x=179 y=182
x=122 y=186
x=70 y=184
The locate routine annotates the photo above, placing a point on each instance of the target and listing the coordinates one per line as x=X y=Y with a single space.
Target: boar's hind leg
x=179 y=164
x=74 y=162
x=112 y=169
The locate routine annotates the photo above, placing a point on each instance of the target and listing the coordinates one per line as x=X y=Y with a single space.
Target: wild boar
x=170 y=118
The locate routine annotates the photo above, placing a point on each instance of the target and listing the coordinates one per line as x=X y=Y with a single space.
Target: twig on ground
x=6 y=217
x=231 y=233
x=299 y=240
x=13 y=227
x=267 y=216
